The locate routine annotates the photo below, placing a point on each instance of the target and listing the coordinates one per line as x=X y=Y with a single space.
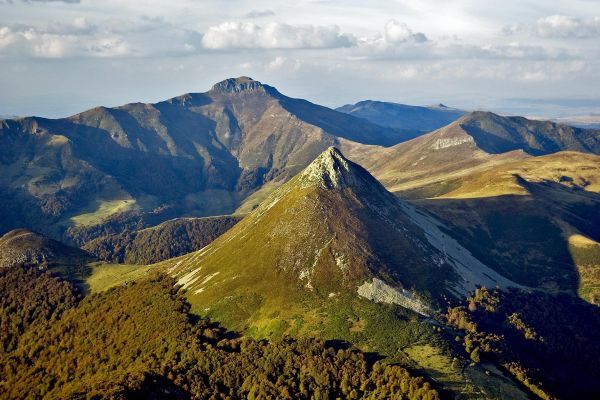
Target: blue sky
x=528 y=57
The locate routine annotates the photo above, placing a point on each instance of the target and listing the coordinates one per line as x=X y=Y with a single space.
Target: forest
x=548 y=342
x=140 y=341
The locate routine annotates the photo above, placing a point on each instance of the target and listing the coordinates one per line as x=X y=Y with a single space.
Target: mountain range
x=474 y=142
x=223 y=144
x=233 y=145
x=448 y=242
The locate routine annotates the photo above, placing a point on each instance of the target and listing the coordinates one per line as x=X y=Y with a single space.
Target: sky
x=526 y=57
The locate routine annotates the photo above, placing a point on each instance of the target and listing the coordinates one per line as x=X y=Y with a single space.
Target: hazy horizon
x=529 y=58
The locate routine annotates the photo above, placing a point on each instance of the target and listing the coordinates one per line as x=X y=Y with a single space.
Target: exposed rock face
x=380 y=292
x=238 y=85
x=443 y=143
x=331 y=170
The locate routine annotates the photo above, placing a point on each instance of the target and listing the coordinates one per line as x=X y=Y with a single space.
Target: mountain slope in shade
x=204 y=152
x=535 y=220
x=332 y=234
x=402 y=116
x=474 y=142
x=496 y=134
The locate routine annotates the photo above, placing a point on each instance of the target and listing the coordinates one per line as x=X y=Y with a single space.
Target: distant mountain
x=591 y=121
x=403 y=116
x=496 y=134
x=326 y=247
x=203 y=152
x=170 y=239
x=474 y=142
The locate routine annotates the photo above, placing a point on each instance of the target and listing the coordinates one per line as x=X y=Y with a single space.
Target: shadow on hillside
x=152 y=170
x=522 y=236
x=158 y=160
x=496 y=144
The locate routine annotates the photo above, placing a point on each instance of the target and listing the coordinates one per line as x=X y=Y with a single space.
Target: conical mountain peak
x=331 y=170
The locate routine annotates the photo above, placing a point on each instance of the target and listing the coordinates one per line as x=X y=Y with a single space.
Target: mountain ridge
x=396 y=115
x=220 y=145
x=474 y=142
x=212 y=153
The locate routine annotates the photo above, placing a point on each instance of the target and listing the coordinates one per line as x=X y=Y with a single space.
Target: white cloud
x=398 y=41
x=558 y=27
x=32 y=42
x=122 y=46
x=509 y=51
x=274 y=35
x=490 y=70
x=398 y=32
x=399 y=44
x=283 y=63
x=79 y=26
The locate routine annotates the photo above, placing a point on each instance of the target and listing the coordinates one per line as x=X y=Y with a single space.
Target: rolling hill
x=21 y=246
x=403 y=116
x=202 y=153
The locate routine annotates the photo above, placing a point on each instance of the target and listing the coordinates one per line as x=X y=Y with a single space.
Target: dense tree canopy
x=167 y=240
x=548 y=342
x=30 y=297
x=139 y=341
